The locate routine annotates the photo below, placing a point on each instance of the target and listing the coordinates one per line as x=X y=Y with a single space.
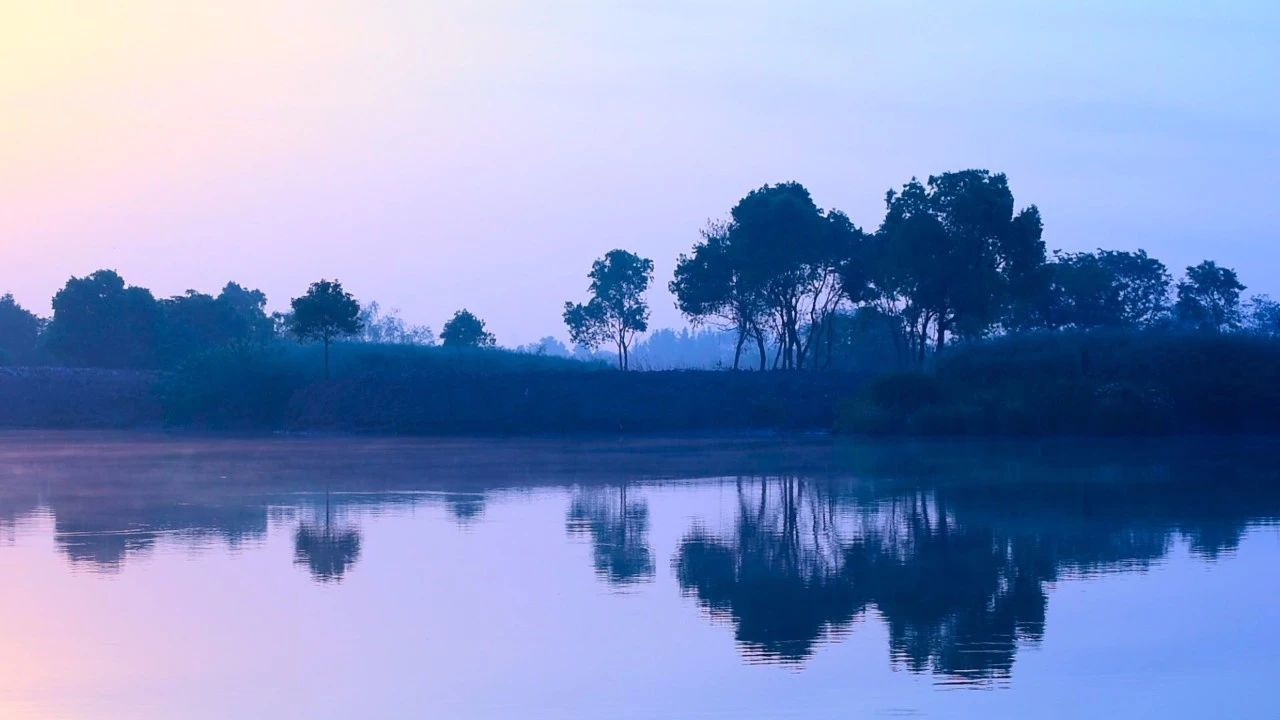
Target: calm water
x=152 y=577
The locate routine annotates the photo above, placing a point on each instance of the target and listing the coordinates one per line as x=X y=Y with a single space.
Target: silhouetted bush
x=1083 y=383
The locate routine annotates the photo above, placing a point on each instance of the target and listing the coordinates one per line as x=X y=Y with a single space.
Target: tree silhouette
x=465 y=330
x=19 y=332
x=1209 y=298
x=619 y=532
x=710 y=289
x=99 y=322
x=616 y=310
x=325 y=313
x=954 y=257
x=1107 y=288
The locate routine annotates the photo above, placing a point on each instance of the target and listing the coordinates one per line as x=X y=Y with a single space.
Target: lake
x=152 y=576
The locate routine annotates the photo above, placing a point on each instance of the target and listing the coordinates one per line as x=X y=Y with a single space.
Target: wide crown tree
x=98 y=321
x=774 y=269
x=1209 y=297
x=954 y=256
x=325 y=313
x=616 y=311
x=465 y=330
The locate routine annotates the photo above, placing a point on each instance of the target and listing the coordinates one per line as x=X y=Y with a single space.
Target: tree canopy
x=19 y=332
x=98 y=321
x=325 y=313
x=616 y=311
x=465 y=330
x=1209 y=298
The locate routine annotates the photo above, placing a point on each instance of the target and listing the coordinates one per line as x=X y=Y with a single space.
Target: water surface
x=166 y=577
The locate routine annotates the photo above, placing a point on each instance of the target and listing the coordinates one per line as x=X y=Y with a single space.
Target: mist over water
x=768 y=577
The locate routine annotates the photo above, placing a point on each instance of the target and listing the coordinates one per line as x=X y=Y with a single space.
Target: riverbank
x=1059 y=384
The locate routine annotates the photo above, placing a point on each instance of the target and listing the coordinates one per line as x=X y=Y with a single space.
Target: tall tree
x=710 y=289
x=786 y=251
x=617 y=310
x=325 y=313
x=19 y=332
x=464 y=330
x=1209 y=297
x=955 y=255
x=99 y=322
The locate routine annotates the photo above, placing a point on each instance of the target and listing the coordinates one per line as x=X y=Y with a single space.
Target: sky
x=436 y=155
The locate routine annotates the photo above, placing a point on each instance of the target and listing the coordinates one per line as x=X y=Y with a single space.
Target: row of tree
x=100 y=321
x=953 y=259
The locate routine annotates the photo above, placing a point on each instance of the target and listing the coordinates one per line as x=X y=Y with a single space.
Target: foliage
x=99 y=322
x=1264 y=316
x=1106 y=289
x=710 y=289
x=19 y=333
x=953 y=257
x=377 y=326
x=616 y=310
x=1209 y=298
x=1112 y=382
x=465 y=330
x=325 y=313
x=195 y=323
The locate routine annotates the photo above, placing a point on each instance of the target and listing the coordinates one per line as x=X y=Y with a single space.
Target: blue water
x=181 y=577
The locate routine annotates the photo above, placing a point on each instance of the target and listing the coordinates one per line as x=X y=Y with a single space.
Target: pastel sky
x=434 y=155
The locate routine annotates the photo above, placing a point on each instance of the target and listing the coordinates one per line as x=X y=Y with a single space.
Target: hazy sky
x=434 y=155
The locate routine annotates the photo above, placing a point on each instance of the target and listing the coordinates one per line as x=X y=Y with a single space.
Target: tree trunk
x=737 y=350
x=764 y=355
x=326 y=358
x=942 y=337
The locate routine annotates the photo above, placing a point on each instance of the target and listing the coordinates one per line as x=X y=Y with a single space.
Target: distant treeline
x=780 y=281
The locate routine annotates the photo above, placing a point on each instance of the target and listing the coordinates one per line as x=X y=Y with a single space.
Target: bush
x=1108 y=383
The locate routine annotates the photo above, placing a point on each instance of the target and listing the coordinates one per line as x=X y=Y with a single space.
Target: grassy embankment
x=1085 y=384
x=437 y=390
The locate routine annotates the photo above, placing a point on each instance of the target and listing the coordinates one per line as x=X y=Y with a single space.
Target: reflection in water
x=465 y=508
x=328 y=548
x=953 y=548
x=619 y=532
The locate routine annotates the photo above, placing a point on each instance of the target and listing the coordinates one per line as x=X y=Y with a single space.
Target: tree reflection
x=618 y=529
x=328 y=548
x=956 y=570
x=465 y=508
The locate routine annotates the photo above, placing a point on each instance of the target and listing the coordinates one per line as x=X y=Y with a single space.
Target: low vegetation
x=1106 y=382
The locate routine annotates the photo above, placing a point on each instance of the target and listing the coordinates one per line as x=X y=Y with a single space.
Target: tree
x=953 y=256
x=99 y=322
x=325 y=313
x=786 y=250
x=1264 y=316
x=196 y=322
x=1209 y=297
x=771 y=271
x=709 y=289
x=464 y=330
x=19 y=332
x=1107 y=288
x=248 y=321
x=616 y=311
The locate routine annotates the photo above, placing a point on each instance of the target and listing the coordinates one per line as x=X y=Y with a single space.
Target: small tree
x=616 y=310
x=1209 y=297
x=464 y=329
x=325 y=313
